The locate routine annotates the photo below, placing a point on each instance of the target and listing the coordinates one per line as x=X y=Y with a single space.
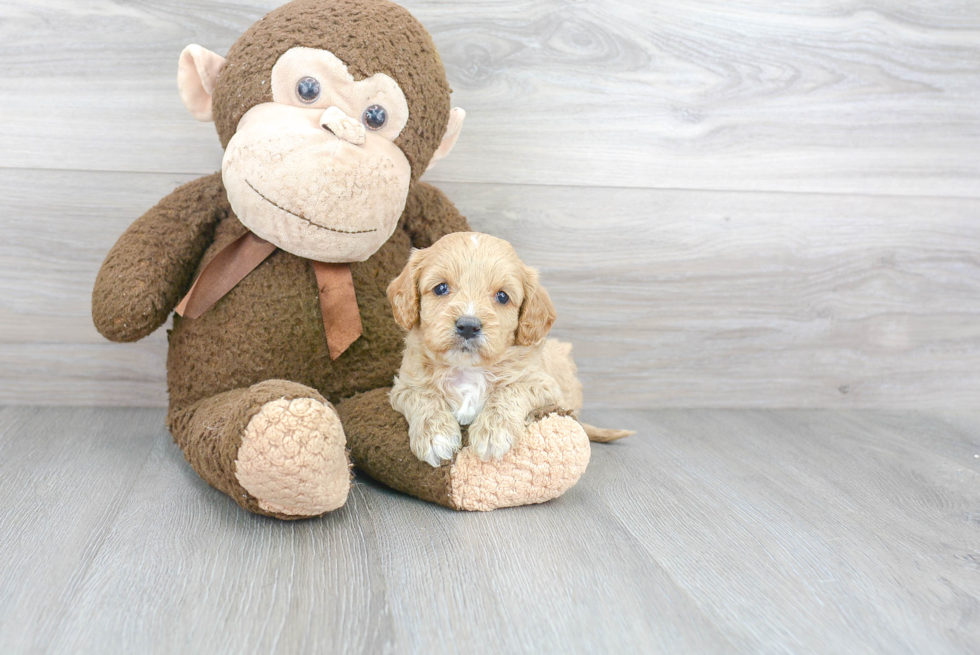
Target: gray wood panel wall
x=733 y=204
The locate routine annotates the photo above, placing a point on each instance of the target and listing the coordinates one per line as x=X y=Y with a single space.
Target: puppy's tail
x=605 y=435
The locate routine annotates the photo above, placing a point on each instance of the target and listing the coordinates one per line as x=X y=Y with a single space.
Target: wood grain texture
x=710 y=531
x=828 y=96
x=64 y=475
x=586 y=122
x=849 y=522
x=672 y=298
x=677 y=298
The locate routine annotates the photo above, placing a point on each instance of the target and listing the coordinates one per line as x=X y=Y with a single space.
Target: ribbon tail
x=338 y=304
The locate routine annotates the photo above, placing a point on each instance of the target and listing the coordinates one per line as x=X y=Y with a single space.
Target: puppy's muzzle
x=468 y=327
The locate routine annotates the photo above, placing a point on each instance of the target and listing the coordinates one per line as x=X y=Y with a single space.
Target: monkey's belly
x=270 y=327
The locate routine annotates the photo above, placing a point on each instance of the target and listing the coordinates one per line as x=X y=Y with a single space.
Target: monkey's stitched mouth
x=303 y=218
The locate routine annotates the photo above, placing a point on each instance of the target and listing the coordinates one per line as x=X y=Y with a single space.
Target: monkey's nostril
x=468 y=327
x=342 y=126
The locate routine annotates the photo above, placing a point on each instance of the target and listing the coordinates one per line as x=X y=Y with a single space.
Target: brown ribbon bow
x=338 y=303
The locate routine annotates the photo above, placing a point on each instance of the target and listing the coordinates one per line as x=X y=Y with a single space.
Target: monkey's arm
x=145 y=273
x=430 y=215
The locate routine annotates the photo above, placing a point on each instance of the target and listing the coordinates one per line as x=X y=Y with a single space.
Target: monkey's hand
x=151 y=265
x=430 y=215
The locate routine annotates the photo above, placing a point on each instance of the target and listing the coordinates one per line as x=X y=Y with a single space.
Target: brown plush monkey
x=329 y=111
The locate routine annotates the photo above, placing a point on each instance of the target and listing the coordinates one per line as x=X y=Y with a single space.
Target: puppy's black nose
x=468 y=327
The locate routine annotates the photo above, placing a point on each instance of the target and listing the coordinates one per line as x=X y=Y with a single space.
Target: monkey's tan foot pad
x=547 y=461
x=292 y=458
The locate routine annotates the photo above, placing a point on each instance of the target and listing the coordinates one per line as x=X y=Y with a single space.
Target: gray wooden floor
x=757 y=531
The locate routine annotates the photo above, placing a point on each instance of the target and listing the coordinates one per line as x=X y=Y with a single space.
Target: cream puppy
x=476 y=352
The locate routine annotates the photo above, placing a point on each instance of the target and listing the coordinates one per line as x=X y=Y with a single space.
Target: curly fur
x=491 y=382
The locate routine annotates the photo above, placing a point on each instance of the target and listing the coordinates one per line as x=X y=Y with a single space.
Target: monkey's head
x=328 y=111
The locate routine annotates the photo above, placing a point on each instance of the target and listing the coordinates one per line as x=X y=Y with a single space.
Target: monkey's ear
x=537 y=313
x=456 y=117
x=403 y=292
x=197 y=74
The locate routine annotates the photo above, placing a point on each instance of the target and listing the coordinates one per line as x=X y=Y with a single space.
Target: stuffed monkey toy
x=283 y=345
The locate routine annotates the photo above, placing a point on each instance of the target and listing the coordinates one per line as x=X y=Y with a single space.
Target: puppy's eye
x=308 y=90
x=502 y=297
x=441 y=289
x=375 y=117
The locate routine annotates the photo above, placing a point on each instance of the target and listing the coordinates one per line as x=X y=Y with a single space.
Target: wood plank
x=99 y=374
x=183 y=568
x=677 y=298
x=384 y=572
x=532 y=578
x=849 y=97
x=672 y=298
x=179 y=559
x=65 y=474
x=710 y=531
x=808 y=531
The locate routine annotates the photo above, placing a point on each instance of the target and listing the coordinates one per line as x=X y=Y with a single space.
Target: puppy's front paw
x=435 y=439
x=442 y=447
x=492 y=434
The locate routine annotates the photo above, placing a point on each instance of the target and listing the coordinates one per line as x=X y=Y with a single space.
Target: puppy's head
x=470 y=297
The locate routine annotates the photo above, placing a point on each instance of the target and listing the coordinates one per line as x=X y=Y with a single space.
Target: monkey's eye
x=375 y=117
x=441 y=289
x=308 y=90
x=502 y=297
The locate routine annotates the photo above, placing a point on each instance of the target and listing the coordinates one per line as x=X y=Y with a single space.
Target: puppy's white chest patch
x=468 y=393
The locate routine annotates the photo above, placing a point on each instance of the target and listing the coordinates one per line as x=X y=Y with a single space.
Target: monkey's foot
x=292 y=458
x=547 y=460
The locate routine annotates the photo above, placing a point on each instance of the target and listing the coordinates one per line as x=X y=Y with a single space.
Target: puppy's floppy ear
x=537 y=313
x=403 y=292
